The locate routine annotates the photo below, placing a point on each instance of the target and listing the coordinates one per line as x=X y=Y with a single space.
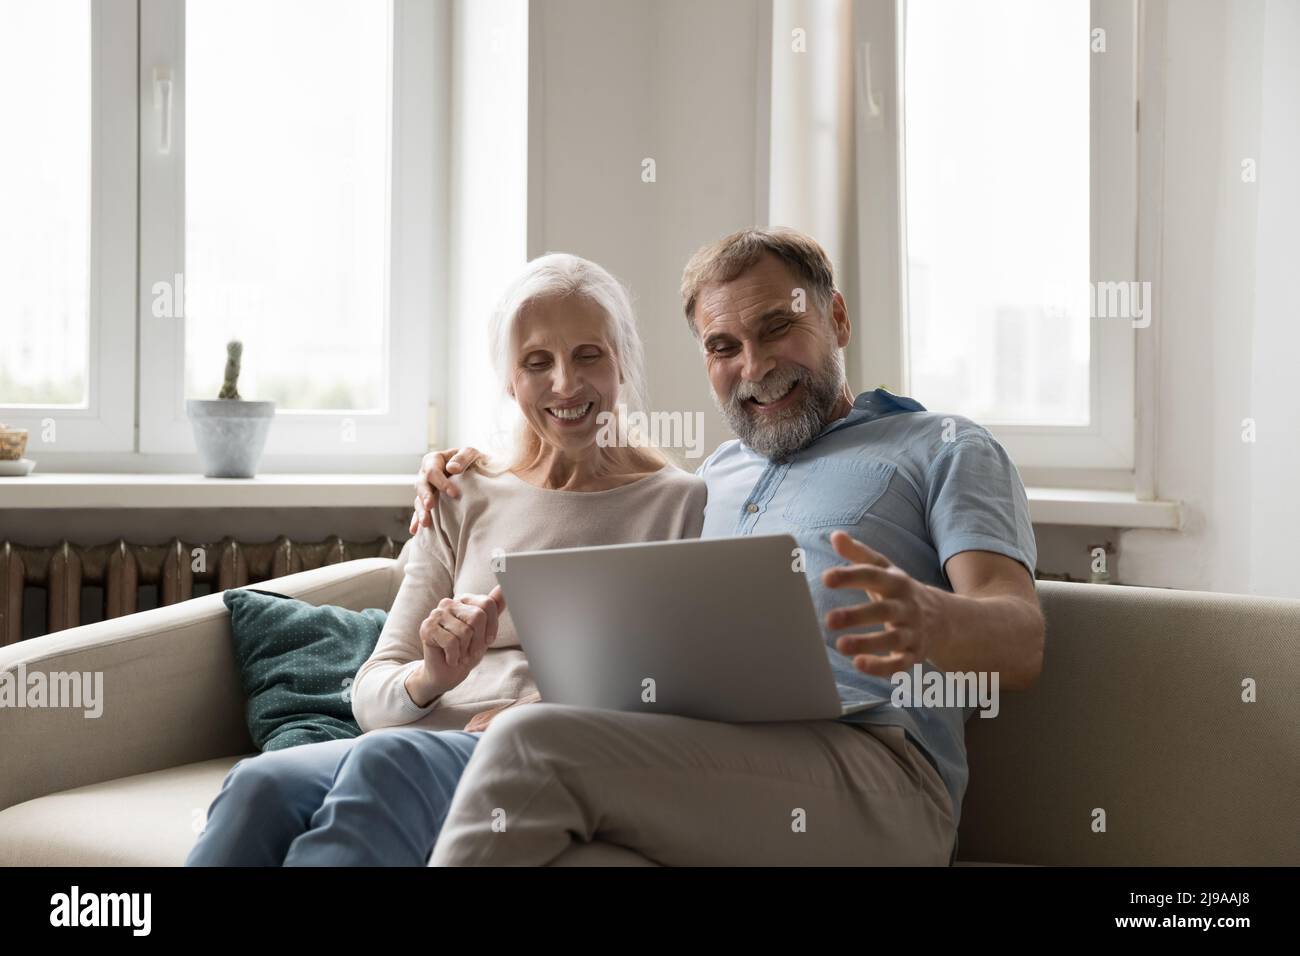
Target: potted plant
x=229 y=431
x=13 y=442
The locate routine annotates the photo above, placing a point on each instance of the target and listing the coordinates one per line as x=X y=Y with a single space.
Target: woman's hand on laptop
x=454 y=638
x=436 y=471
x=912 y=612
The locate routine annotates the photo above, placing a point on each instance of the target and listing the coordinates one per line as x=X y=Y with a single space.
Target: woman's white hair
x=560 y=274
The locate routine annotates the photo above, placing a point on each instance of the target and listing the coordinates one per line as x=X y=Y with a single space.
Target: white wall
x=1228 y=333
x=1275 y=486
x=616 y=83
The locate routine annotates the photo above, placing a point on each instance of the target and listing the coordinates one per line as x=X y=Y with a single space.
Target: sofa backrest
x=1139 y=713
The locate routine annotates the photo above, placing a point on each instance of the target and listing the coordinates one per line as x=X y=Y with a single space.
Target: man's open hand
x=913 y=614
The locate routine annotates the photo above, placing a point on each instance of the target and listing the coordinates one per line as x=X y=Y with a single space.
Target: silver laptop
x=716 y=629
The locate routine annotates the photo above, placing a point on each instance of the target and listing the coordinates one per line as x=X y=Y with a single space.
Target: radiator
x=122 y=568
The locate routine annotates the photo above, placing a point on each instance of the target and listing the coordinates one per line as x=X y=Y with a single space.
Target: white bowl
x=16 y=469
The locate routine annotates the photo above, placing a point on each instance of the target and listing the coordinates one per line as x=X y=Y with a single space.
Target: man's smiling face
x=777 y=373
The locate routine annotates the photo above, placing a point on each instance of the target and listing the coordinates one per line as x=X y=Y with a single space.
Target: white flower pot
x=230 y=434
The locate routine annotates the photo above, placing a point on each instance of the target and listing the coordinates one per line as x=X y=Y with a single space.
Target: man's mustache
x=792 y=376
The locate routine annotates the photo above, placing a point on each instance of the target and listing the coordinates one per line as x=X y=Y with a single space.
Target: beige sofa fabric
x=151 y=819
x=172 y=693
x=1139 y=712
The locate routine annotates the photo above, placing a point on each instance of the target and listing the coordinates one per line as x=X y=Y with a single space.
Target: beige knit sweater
x=498 y=514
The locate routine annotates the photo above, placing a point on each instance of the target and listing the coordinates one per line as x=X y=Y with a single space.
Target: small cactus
x=230 y=388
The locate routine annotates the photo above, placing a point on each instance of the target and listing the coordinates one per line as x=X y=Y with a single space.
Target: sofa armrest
x=1139 y=712
x=168 y=684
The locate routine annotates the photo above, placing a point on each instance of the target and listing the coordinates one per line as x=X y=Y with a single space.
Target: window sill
x=1064 y=506
x=1097 y=508
x=116 y=491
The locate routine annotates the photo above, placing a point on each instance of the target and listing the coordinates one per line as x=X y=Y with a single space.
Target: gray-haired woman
x=566 y=350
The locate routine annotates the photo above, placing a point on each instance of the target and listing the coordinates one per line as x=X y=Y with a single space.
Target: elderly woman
x=566 y=349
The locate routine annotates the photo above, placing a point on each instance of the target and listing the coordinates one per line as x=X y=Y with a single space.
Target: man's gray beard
x=796 y=428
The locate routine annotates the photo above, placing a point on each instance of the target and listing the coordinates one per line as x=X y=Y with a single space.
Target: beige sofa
x=1138 y=713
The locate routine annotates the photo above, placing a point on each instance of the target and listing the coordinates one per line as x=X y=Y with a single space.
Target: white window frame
x=1101 y=453
x=106 y=422
x=414 y=384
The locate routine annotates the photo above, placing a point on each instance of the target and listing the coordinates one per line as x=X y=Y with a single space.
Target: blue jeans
x=374 y=800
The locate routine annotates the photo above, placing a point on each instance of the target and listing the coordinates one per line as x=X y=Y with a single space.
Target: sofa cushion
x=151 y=819
x=297 y=662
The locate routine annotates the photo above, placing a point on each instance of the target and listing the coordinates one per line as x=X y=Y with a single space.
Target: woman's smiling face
x=564 y=370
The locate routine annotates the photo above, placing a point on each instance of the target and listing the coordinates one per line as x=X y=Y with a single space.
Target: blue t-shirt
x=918 y=487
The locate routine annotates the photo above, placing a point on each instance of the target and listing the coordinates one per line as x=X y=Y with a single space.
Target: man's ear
x=840 y=319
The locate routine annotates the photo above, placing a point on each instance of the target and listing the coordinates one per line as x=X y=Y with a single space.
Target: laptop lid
x=717 y=629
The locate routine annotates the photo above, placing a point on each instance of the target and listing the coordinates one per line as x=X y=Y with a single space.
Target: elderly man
x=920 y=557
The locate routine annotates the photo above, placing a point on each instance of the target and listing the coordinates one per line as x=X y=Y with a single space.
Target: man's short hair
x=739 y=252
